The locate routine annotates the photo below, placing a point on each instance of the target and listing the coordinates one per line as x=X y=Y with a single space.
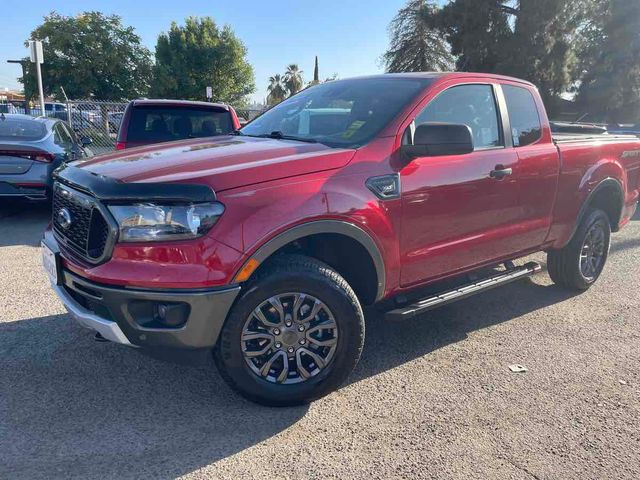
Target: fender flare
x=326 y=226
x=608 y=182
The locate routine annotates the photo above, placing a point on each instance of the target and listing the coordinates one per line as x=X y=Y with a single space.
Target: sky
x=349 y=36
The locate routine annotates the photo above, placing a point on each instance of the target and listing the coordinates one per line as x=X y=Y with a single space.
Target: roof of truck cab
x=182 y=103
x=451 y=75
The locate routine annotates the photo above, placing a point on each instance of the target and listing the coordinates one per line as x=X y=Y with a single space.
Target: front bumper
x=107 y=328
x=130 y=316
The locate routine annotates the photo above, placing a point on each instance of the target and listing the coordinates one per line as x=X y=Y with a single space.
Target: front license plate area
x=50 y=262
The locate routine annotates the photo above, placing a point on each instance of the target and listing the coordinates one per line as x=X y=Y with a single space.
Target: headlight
x=145 y=222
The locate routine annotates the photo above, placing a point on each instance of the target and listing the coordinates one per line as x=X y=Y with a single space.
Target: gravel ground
x=432 y=398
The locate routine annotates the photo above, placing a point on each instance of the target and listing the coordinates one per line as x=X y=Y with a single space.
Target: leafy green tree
x=277 y=89
x=417 y=43
x=477 y=31
x=610 y=68
x=199 y=54
x=90 y=55
x=541 y=48
x=293 y=79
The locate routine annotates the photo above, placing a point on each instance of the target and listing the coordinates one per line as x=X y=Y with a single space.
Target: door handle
x=500 y=172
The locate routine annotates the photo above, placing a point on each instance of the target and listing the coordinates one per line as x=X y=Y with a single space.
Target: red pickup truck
x=407 y=191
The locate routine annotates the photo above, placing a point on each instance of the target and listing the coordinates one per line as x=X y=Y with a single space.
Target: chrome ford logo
x=64 y=218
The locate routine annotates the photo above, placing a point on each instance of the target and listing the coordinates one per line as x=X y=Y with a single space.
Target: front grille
x=80 y=225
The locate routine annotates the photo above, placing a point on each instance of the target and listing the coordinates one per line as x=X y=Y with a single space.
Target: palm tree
x=276 y=89
x=417 y=45
x=293 y=79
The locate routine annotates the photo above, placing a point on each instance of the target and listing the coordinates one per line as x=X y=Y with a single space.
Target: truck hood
x=223 y=162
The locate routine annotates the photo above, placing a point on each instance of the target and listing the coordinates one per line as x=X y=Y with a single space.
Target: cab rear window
x=164 y=124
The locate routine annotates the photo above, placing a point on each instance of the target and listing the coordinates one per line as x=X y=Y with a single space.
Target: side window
x=523 y=115
x=471 y=105
x=61 y=137
x=70 y=133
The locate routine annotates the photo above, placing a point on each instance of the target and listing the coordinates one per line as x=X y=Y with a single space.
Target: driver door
x=455 y=214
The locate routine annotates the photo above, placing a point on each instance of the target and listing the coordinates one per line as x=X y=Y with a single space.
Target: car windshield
x=21 y=129
x=342 y=113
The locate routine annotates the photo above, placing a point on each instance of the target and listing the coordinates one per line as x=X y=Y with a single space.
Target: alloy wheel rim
x=289 y=338
x=593 y=251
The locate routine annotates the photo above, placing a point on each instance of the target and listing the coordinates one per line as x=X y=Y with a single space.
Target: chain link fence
x=245 y=115
x=97 y=120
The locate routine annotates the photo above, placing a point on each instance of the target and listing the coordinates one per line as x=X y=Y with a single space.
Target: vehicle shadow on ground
x=390 y=344
x=22 y=222
x=68 y=404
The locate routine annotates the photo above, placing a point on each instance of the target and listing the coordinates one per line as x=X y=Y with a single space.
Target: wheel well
x=609 y=199
x=345 y=255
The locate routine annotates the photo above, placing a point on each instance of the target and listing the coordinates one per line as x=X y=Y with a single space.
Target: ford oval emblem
x=64 y=218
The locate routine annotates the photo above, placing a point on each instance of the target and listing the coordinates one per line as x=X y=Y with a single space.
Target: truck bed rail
x=562 y=138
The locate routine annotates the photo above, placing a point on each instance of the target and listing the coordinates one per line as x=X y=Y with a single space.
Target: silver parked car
x=30 y=150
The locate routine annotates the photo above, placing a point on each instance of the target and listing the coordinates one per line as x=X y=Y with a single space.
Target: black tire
x=293 y=273
x=564 y=265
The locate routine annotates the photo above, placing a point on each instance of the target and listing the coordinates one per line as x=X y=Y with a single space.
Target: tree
x=610 y=68
x=477 y=31
x=199 y=54
x=533 y=40
x=90 y=55
x=541 y=47
x=293 y=79
x=277 y=90
x=417 y=44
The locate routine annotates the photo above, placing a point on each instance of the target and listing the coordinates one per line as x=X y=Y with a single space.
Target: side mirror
x=86 y=141
x=439 y=139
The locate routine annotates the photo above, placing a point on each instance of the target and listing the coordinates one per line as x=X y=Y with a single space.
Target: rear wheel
x=294 y=335
x=579 y=264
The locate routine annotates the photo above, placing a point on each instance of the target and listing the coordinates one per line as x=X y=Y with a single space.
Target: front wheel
x=293 y=336
x=579 y=264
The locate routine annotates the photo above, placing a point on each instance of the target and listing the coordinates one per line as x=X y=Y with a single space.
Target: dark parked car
x=154 y=121
x=30 y=150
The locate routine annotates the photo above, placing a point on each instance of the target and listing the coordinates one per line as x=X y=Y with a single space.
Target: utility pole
x=35 y=46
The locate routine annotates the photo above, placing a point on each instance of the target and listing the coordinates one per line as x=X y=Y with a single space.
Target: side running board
x=444 y=298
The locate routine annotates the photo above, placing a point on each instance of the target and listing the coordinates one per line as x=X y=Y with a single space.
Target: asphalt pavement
x=431 y=398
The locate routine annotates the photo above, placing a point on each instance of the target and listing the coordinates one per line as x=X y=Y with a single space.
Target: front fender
x=259 y=221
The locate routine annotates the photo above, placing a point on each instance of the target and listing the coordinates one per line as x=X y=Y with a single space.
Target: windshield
x=342 y=113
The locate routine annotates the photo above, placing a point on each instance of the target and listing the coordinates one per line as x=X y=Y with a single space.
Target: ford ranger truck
x=407 y=191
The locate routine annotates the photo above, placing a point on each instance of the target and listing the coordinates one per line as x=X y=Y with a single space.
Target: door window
x=61 y=137
x=523 y=115
x=471 y=105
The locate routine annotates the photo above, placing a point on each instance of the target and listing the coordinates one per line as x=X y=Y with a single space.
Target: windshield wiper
x=278 y=135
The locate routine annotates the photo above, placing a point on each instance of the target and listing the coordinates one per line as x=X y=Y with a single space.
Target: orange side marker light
x=246 y=271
